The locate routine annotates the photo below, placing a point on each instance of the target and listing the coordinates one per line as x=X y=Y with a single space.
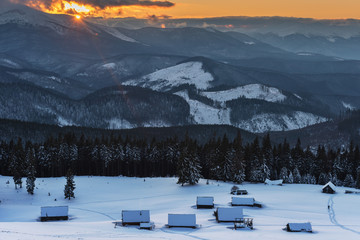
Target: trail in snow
x=332 y=216
x=180 y=233
x=87 y=210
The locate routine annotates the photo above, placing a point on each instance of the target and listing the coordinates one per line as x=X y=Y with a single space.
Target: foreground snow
x=99 y=201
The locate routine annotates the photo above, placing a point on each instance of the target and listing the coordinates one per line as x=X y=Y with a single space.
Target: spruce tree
x=284 y=174
x=349 y=181
x=297 y=176
x=188 y=168
x=30 y=169
x=70 y=185
x=357 y=183
x=30 y=181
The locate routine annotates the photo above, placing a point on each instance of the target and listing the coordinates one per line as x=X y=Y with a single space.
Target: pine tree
x=357 y=183
x=30 y=181
x=349 y=181
x=30 y=169
x=284 y=174
x=188 y=169
x=70 y=185
x=323 y=179
x=297 y=176
x=290 y=178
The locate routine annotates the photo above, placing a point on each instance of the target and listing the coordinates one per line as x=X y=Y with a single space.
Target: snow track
x=87 y=210
x=332 y=216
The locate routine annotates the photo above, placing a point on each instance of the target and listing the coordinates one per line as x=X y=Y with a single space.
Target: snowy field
x=99 y=201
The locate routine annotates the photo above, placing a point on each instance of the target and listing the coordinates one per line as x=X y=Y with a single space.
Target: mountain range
x=56 y=69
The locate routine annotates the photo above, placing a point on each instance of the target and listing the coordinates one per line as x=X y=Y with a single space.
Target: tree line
x=218 y=159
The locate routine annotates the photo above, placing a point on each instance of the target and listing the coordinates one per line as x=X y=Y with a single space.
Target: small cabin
x=239 y=192
x=135 y=217
x=228 y=214
x=205 y=202
x=52 y=213
x=329 y=188
x=274 y=182
x=237 y=201
x=299 y=227
x=182 y=220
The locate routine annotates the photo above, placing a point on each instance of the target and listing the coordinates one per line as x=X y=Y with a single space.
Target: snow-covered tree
x=297 y=176
x=349 y=181
x=323 y=179
x=69 y=186
x=290 y=178
x=30 y=180
x=30 y=170
x=188 y=168
x=357 y=183
x=284 y=174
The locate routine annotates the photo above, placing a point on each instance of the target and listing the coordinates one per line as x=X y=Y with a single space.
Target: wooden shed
x=274 y=182
x=205 y=202
x=239 y=192
x=299 y=227
x=329 y=188
x=228 y=214
x=51 y=213
x=135 y=217
x=238 y=201
x=182 y=220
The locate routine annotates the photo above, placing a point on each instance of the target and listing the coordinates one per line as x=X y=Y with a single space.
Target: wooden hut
x=135 y=217
x=205 y=202
x=228 y=214
x=329 y=188
x=239 y=192
x=52 y=213
x=182 y=220
x=237 y=201
x=274 y=182
x=299 y=227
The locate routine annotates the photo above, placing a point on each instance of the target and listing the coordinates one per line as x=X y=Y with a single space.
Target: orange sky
x=287 y=8
x=322 y=9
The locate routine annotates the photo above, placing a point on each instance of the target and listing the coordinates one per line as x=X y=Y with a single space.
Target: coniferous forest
x=218 y=159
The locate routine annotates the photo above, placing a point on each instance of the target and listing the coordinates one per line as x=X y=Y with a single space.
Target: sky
x=320 y=9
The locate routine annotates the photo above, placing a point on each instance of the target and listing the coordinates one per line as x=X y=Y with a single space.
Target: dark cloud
x=103 y=3
x=155 y=18
x=115 y=3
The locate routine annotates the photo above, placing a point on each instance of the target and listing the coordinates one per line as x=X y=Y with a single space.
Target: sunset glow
x=322 y=9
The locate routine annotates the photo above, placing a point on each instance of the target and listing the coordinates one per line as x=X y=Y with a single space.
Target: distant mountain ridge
x=57 y=70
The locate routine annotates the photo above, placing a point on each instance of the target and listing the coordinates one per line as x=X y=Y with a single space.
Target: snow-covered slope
x=9 y=63
x=100 y=200
x=251 y=91
x=191 y=73
x=348 y=106
x=279 y=122
x=205 y=114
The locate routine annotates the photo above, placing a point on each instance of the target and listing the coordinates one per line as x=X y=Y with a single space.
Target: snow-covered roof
x=242 y=201
x=135 y=216
x=182 y=220
x=298 y=227
x=331 y=185
x=274 y=182
x=229 y=214
x=54 y=211
x=207 y=201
